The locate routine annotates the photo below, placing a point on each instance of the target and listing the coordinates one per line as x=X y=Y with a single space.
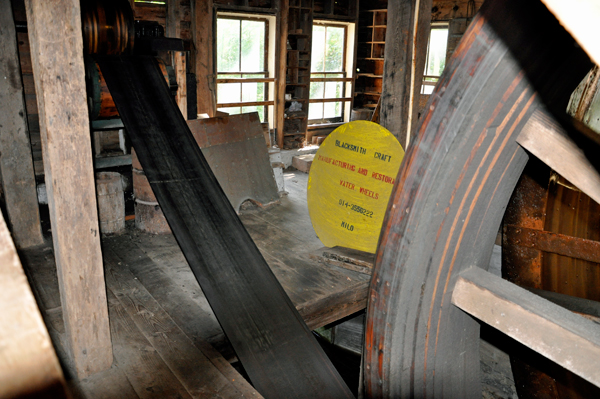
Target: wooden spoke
x=562 y=336
x=560 y=244
x=546 y=139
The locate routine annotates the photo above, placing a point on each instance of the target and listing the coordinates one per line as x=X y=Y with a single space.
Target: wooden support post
x=405 y=52
x=173 y=19
x=16 y=164
x=28 y=365
x=57 y=58
x=281 y=68
x=202 y=33
x=180 y=75
x=562 y=336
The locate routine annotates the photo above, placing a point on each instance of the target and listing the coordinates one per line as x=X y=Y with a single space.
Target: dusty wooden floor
x=167 y=342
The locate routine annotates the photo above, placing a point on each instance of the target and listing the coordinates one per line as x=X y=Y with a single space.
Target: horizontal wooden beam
x=547 y=140
x=246 y=80
x=556 y=333
x=331 y=80
x=555 y=243
x=328 y=100
x=246 y=104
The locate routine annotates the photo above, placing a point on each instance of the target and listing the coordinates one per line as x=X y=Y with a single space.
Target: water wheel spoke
x=545 y=138
x=561 y=244
x=564 y=337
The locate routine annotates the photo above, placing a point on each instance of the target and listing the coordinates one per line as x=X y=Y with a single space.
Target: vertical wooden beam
x=180 y=75
x=28 y=364
x=202 y=32
x=173 y=19
x=57 y=58
x=16 y=163
x=282 y=21
x=408 y=26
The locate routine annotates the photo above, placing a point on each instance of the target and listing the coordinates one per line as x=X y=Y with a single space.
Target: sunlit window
x=242 y=65
x=328 y=73
x=436 y=56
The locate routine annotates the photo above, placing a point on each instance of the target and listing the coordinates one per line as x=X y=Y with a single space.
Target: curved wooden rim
x=455 y=182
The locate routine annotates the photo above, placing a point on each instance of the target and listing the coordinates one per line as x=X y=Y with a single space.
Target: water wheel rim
x=448 y=203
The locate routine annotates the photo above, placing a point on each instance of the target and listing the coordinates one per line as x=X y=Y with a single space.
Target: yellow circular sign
x=350 y=183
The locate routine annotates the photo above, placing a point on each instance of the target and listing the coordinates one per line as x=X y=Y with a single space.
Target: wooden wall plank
x=405 y=51
x=28 y=365
x=556 y=333
x=16 y=165
x=65 y=132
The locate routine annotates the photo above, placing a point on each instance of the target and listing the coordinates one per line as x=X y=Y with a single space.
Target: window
x=436 y=56
x=329 y=82
x=244 y=82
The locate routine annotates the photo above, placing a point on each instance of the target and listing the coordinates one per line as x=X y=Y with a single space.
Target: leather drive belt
x=276 y=348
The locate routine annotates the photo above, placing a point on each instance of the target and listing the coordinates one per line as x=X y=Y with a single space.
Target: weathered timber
x=16 y=164
x=191 y=367
x=547 y=139
x=560 y=244
x=180 y=75
x=556 y=333
x=234 y=147
x=173 y=19
x=405 y=51
x=281 y=59
x=202 y=36
x=28 y=365
x=56 y=49
x=276 y=348
x=346 y=258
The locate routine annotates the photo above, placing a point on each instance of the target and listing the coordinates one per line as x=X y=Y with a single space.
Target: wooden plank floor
x=166 y=340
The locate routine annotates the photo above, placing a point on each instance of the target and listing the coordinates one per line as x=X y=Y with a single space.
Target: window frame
x=432 y=80
x=267 y=76
x=345 y=80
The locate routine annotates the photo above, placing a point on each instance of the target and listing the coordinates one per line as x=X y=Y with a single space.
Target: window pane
x=231 y=111
x=259 y=109
x=436 y=59
x=315 y=111
x=253 y=46
x=316 y=90
x=333 y=89
x=253 y=92
x=335 y=49
x=426 y=89
x=318 y=49
x=228 y=45
x=332 y=110
x=229 y=92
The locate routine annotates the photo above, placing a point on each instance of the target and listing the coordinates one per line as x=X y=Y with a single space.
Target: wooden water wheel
x=506 y=85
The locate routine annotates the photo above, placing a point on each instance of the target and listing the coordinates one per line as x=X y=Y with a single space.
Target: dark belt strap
x=270 y=338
